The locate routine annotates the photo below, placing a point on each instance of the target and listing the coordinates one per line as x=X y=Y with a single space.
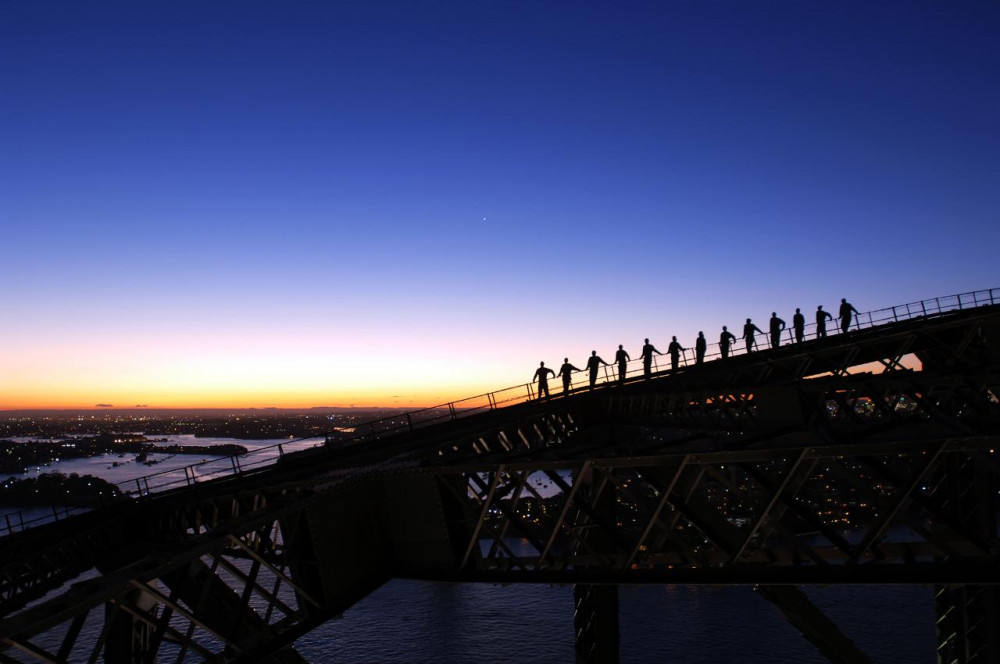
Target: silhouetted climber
x=542 y=376
x=566 y=371
x=821 y=318
x=675 y=352
x=622 y=358
x=594 y=363
x=725 y=339
x=799 y=323
x=777 y=325
x=647 y=359
x=845 y=314
x=699 y=348
x=748 y=331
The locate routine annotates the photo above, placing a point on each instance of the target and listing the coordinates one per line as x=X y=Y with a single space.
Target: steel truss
x=840 y=405
x=826 y=514
x=227 y=595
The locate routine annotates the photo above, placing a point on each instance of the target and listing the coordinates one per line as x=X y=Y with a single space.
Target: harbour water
x=416 y=621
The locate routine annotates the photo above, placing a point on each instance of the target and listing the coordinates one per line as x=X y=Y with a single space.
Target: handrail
x=219 y=467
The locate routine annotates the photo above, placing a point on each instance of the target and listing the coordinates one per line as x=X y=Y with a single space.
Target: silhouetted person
x=725 y=339
x=566 y=371
x=699 y=348
x=799 y=323
x=846 y=308
x=748 y=331
x=622 y=358
x=777 y=325
x=821 y=318
x=647 y=359
x=542 y=376
x=594 y=363
x=675 y=352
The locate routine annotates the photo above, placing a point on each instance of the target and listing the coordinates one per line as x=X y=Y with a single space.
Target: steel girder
x=838 y=405
x=595 y=622
x=968 y=616
x=828 y=514
x=215 y=597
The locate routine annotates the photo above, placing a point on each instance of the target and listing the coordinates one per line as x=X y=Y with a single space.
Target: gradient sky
x=332 y=203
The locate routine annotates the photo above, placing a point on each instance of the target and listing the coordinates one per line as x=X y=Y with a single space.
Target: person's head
x=619 y=346
x=748 y=321
x=541 y=364
x=725 y=329
x=843 y=300
x=819 y=308
x=774 y=314
x=566 y=360
x=647 y=341
x=796 y=310
x=593 y=352
x=701 y=334
x=673 y=338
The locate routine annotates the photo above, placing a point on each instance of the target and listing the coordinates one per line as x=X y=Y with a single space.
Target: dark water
x=412 y=621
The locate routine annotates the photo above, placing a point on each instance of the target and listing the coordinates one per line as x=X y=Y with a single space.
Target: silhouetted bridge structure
x=795 y=465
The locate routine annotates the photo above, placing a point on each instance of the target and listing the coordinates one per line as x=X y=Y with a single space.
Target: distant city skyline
x=398 y=205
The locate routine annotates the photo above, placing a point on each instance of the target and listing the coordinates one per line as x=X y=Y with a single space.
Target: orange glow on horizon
x=246 y=398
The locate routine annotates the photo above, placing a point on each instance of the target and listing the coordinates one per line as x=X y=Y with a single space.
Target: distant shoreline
x=63 y=412
x=17 y=457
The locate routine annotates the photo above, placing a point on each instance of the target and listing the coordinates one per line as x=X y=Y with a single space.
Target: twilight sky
x=400 y=203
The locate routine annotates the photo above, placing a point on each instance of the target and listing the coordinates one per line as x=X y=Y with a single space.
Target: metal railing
x=209 y=469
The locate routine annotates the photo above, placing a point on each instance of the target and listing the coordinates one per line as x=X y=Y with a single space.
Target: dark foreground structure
x=748 y=470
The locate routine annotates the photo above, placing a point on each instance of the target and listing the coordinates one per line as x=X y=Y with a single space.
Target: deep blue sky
x=463 y=188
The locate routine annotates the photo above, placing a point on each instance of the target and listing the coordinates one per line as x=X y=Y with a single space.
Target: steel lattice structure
x=774 y=469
